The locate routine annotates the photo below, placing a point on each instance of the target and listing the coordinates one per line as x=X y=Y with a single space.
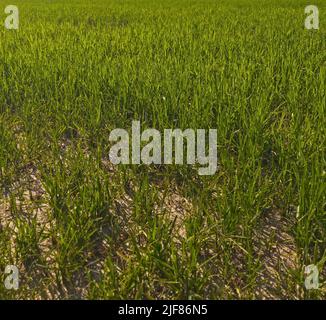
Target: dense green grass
x=78 y=227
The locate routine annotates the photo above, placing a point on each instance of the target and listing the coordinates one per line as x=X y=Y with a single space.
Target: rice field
x=79 y=227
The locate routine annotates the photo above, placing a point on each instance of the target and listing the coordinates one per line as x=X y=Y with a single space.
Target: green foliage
x=77 y=69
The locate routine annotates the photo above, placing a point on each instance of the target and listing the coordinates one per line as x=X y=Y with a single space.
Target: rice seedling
x=78 y=226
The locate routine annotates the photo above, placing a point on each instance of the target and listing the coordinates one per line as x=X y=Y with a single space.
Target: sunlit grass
x=78 y=227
